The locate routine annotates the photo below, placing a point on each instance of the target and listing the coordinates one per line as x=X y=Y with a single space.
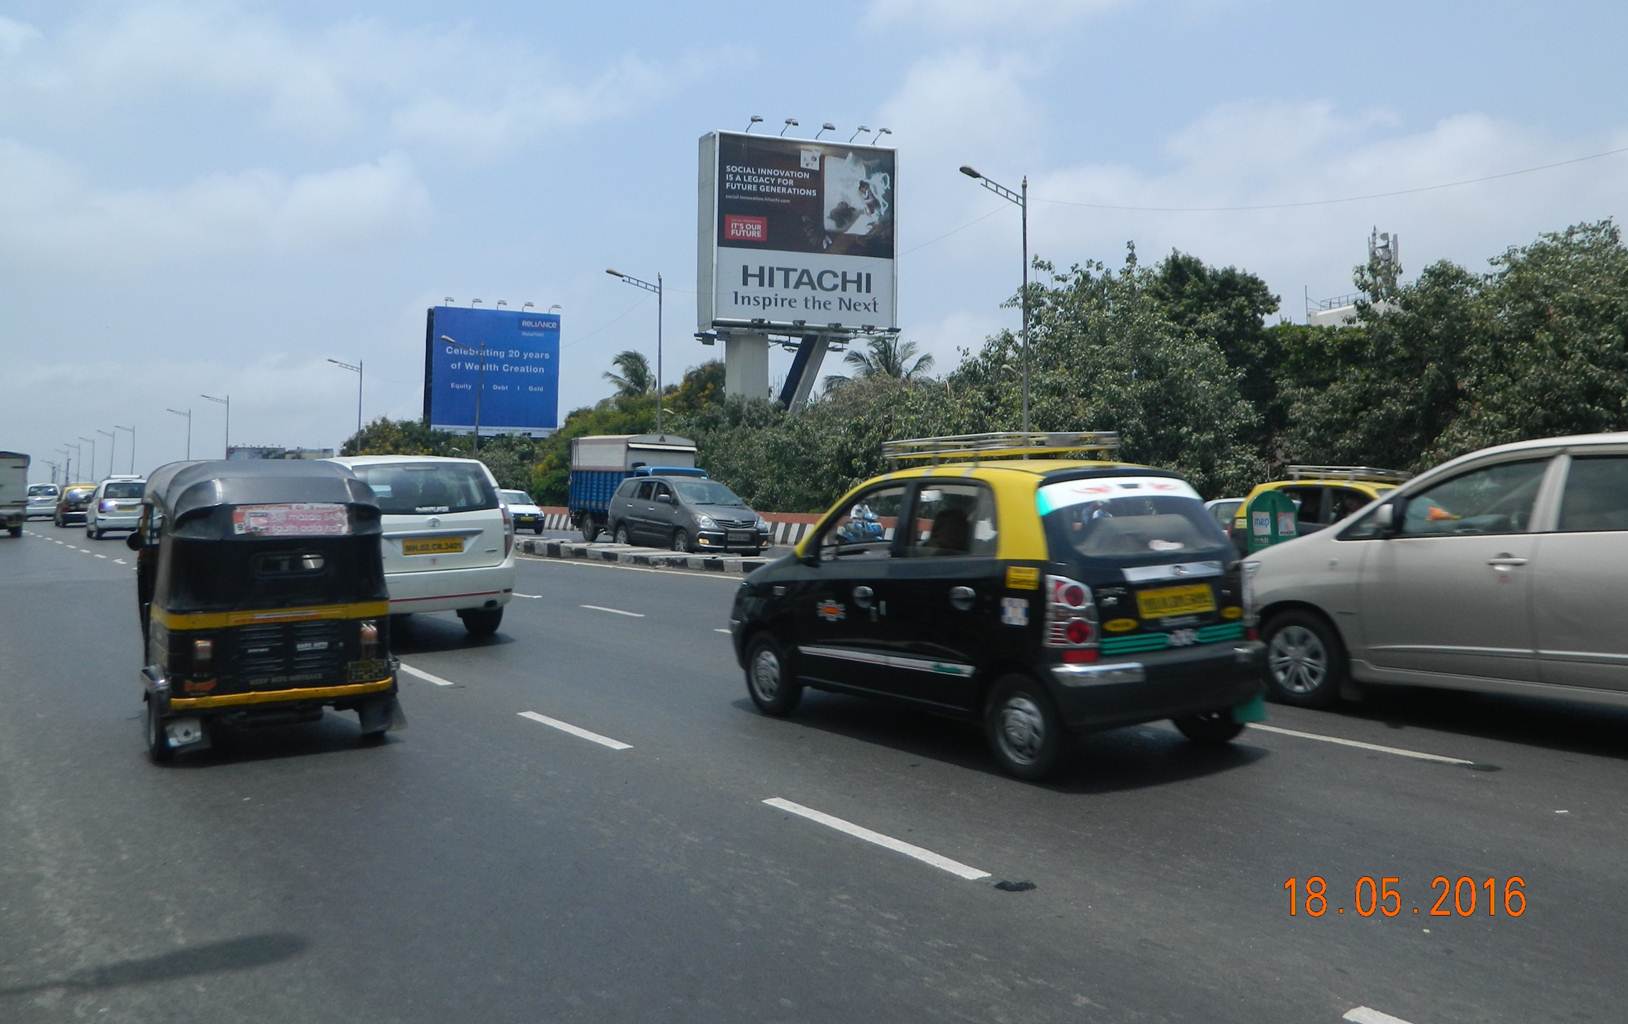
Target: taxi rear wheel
x=771 y=681
x=1210 y=728
x=158 y=744
x=1025 y=731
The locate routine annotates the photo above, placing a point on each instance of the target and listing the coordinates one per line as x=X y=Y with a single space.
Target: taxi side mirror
x=133 y=541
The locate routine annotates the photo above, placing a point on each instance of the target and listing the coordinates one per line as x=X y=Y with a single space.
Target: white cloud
x=15 y=36
x=958 y=15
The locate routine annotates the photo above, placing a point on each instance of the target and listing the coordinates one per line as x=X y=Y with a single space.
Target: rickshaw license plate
x=1166 y=602
x=432 y=546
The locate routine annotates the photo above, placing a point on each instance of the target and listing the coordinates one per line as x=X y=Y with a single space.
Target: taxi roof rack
x=1003 y=444
x=1348 y=473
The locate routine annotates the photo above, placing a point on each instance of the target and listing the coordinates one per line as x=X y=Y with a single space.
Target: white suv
x=116 y=505
x=448 y=539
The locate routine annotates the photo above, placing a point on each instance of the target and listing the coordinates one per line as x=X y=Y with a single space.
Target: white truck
x=13 y=491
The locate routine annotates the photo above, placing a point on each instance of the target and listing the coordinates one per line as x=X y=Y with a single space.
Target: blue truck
x=600 y=462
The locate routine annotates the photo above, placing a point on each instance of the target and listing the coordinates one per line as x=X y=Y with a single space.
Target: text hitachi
x=795 y=277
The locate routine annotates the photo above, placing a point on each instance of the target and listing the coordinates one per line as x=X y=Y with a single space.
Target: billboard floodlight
x=756 y=119
x=791 y=122
x=881 y=132
x=529 y=305
x=826 y=127
x=855 y=135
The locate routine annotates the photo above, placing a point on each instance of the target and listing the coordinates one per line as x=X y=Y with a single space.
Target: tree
x=886 y=356
x=635 y=378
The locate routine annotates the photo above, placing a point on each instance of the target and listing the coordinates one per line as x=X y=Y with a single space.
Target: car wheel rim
x=766 y=674
x=1298 y=659
x=1021 y=729
x=681 y=542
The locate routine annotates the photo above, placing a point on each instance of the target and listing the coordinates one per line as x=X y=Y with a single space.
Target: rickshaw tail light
x=370 y=639
x=203 y=651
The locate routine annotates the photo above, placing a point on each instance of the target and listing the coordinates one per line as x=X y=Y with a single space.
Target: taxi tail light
x=508 y=530
x=1071 y=616
x=370 y=639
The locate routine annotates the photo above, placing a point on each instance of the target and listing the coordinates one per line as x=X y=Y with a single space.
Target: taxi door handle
x=863 y=596
x=962 y=598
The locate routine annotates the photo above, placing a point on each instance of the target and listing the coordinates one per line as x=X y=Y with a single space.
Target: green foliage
x=635 y=378
x=885 y=356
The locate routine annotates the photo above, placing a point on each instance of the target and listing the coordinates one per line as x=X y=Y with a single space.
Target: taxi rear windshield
x=1129 y=521
x=428 y=488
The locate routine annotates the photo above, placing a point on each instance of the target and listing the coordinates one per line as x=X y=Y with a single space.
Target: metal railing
x=1369 y=473
x=1008 y=444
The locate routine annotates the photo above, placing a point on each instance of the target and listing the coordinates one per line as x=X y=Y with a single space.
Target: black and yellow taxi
x=262 y=597
x=1322 y=494
x=1041 y=596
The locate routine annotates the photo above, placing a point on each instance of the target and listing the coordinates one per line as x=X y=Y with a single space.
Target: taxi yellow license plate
x=1166 y=602
x=432 y=546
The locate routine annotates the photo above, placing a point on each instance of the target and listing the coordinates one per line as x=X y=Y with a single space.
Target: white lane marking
x=103 y=557
x=1369 y=1015
x=725 y=632
x=120 y=561
x=943 y=863
x=55 y=541
x=426 y=676
x=694 y=574
x=1398 y=751
x=530 y=597
x=613 y=611
x=577 y=731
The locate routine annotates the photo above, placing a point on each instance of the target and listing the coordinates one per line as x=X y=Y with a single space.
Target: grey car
x=685 y=513
x=1500 y=572
x=42 y=501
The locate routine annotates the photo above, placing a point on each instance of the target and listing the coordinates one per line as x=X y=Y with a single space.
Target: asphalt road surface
x=586 y=821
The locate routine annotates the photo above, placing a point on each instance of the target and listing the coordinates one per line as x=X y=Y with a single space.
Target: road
x=484 y=865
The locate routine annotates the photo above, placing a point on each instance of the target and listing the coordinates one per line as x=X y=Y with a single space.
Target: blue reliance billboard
x=519 y=387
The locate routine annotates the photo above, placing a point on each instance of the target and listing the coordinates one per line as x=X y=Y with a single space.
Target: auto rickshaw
x=262 y=599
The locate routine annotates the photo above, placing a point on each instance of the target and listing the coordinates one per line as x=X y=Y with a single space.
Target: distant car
x=527 y=516
x=116 y=505
x=448 y=539
x=72 y=503
x=1499 y=572
x=42 y=501
x=1224 y=509
x=686 y=513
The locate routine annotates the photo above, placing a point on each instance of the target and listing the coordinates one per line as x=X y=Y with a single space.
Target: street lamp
x=825 y=127
x=112 y=440
x=756 y=120
x=225 y=452
x=67 y=464
x=791 y=122
x=92 y=442
x=356 y=369
x=647 y=286
x=480 y=389
x=857 y=131
x=132 y=445
x=187 y=415
x=1021 y=199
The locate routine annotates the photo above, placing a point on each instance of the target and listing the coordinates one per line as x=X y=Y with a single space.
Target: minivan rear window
x=428 y=488
x=132 y=489
x=1128 y=520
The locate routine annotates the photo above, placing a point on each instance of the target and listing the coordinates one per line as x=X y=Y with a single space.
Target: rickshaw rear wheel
x=158 y=744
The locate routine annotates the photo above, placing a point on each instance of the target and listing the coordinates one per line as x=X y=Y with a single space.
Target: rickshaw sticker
x=1014 y=611
x=1260 y=524
x=1119 y=625
x=298 y=519
x=1286 y=526
x=1022 y=577
x=831 y=611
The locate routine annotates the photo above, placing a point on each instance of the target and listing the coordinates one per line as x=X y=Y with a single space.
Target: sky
x=216 y=198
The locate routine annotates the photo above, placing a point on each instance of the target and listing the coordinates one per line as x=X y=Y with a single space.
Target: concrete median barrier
x=624 y=554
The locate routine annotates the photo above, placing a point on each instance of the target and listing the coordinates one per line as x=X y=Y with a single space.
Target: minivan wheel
x=1305 y=663
x=1025 y=731
x=482 y=621
x=622 y=536
x=1210 y=728
x=771 y=681
x=681 y=541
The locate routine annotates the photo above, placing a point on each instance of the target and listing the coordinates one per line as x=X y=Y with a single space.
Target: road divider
x=911 y=850
x=625 y=554
x=576 y=730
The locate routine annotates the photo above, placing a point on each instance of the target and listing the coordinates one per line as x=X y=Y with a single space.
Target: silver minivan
x=686 y=513
x=1500 y=571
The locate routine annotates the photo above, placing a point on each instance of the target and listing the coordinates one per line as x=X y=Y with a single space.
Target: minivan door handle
x=962 y=598
x=863 y=596
x=1505 y=561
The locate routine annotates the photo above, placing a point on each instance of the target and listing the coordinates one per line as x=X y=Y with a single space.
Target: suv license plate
x=742 y=537
x=1167 y=602
x=432 y=546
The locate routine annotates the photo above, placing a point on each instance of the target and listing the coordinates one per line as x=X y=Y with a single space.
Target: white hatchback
x=448 y=541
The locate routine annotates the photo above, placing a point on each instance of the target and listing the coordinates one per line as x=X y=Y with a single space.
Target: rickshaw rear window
x=428 y=488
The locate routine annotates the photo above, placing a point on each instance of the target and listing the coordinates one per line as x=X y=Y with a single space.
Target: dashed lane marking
x=926 y=856
x=577 y=731
x=1417 y=755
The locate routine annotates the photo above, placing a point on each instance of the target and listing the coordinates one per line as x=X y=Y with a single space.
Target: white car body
x=119 y=511
x=1502 y=574
x=473 y=571
x=527 y=516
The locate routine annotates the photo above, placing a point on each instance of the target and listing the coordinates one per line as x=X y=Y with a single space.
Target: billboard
x=795 y=235
x=519 y=387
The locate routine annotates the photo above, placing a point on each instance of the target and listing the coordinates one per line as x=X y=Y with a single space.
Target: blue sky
x=215 y=197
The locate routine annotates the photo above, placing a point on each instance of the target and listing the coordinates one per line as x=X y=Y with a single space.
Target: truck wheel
x=590 y=527
x=15 y=531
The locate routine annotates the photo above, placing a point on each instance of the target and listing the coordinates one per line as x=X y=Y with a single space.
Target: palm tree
x=635 y=378
x=888 y=357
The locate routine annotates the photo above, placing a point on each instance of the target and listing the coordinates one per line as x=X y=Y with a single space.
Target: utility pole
x=1021 y=200
x=187 y=415
x=647 y=286
x=226 y=449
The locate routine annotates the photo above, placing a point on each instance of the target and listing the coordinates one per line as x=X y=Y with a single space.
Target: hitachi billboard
x=796 y=235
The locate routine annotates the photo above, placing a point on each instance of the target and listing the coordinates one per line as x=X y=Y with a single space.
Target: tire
x=771 y=679
x=57 y=522
x=482 y=622
x=1025 y=732
x=537 y=529
x=681 y=541
x=589 y=526
x=159 y=750
x=15 y=531
x=622 y=536
x=1305 y=661
x=92 y=534
x=1212 y=728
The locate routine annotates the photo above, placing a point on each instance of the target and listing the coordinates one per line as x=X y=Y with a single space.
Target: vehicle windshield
x=1128 y=520
x=42 y=491
x=517 y=498
x=79 y=493
x=131 y=489
x=706 y=492
x=428 y=488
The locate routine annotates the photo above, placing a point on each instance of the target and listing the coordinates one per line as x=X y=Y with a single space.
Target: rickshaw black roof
x=182 y=488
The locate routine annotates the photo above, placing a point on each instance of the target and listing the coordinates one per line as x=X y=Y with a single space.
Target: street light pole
x=647 y=286
x=92 y=442
x=112 y=446
x=67 y=464
x=225 y=452
x=132 y=445
x=1021 y=200
x=356 y=369
x=480 y=388
x=187 y=415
